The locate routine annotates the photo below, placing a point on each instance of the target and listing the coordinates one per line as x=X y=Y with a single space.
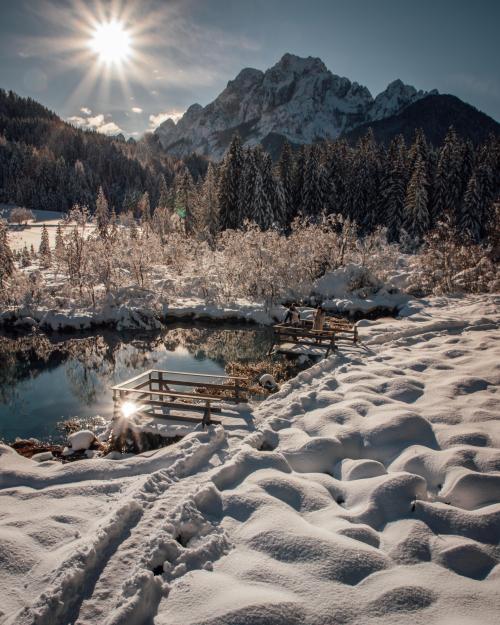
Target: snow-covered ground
x=31 y=234
x=367 y=490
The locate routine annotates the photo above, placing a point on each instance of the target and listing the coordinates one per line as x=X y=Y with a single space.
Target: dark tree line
x=406 y=188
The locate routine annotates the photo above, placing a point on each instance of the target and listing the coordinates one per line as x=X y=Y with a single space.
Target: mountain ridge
x=298 y=98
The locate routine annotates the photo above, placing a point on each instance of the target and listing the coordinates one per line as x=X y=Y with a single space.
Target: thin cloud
x=86 y=111
x=136 y=109
x=97 y=123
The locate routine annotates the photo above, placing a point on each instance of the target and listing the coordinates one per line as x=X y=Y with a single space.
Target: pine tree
x=44 y=249
x=184 y=200
x=298 y=180
x=163 y=196
x=471 y=217
x=312 y=192
x=25 y=257
x=59 y=248
x=394 y=198
x=102 y=217
x=6 y=257
x=262 y=210
x=230 y=213
x=144 y=208
x=207 y=212
x=448 y=184
x=416 y=203
x=286 y=174
x=247 y=186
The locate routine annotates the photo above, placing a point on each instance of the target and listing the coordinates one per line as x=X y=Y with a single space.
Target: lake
x=45 y=379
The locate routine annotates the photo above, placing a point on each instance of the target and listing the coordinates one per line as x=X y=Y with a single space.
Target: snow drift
x=366 y=490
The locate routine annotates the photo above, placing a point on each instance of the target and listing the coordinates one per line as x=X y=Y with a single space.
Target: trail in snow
x=369 y=493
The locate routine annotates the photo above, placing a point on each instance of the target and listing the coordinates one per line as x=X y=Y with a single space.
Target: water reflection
x=45 y=379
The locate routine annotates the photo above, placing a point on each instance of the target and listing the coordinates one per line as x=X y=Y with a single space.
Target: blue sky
x=185 y=51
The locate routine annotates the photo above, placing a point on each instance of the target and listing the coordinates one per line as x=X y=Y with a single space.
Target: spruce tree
x=44 y=249
x=144 y=208
x=6 y=257
x=184 y=200
x=471 y=217
x=286 y=174
x=312 y=193
x=59 y=244
x=448 y=184
x=208 y=206
x=247 y=186
x=416 y=204
x=298 y=180
x=230 y=213
x=394 y=198
x=102 y=216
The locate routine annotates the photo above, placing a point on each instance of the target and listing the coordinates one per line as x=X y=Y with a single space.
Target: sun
x=111 y=42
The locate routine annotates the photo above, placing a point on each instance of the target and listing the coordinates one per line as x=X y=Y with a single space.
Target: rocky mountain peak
x=297 y=99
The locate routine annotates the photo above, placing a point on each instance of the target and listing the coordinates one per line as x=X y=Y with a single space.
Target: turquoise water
x=44 y=380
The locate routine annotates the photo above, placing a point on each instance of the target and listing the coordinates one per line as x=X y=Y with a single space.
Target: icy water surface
x=46 y=379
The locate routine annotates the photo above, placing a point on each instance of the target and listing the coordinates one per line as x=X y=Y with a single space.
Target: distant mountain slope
x=297 y=99
x=434 y=114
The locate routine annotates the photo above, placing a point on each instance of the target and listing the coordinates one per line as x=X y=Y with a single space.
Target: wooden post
x=206 y=415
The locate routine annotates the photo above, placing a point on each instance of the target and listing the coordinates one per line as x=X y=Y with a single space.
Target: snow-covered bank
x=367 y=492
x=336 y=291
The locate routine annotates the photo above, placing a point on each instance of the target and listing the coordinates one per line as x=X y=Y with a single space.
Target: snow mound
x=367 y=491
x=81 y=440
x=353 y=288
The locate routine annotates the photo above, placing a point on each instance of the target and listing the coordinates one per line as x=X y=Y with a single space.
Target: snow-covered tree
x=416 y=207
x=44 y=252
x=230 y=214
x=312 y=191
x=286 y=174
x=184 y=200
x=102 y=215
x=472 y=210
x=144 y=208
x=448 y=183
x=21 y=215
x=6 y=257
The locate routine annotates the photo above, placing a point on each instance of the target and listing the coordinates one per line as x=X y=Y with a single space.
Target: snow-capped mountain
x=298 y=99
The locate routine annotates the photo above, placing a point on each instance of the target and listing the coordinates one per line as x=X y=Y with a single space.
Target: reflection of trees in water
x=94 y=363
x=221 y=345
x=22 y=358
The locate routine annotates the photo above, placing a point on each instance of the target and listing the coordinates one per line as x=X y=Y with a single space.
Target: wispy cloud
x=86 y=111
x=136 y=109
x=157 y=120
x=98 y=123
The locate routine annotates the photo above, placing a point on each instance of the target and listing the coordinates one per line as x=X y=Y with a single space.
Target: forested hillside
x=407 y=187
x=48 y=164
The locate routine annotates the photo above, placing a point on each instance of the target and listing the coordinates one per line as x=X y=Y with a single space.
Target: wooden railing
x=155 y=393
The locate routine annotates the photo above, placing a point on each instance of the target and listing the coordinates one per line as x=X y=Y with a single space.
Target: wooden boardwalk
x=303 y=339
x=178 y=396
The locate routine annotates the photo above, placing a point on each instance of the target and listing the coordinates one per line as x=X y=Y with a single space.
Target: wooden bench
x=304 y=336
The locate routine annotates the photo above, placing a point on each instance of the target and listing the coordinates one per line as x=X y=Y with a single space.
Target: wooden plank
x=184 y=418
x=172 y=394
x=181 y=406
x=200 y=375
x=119 y=387
x=228 y=387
